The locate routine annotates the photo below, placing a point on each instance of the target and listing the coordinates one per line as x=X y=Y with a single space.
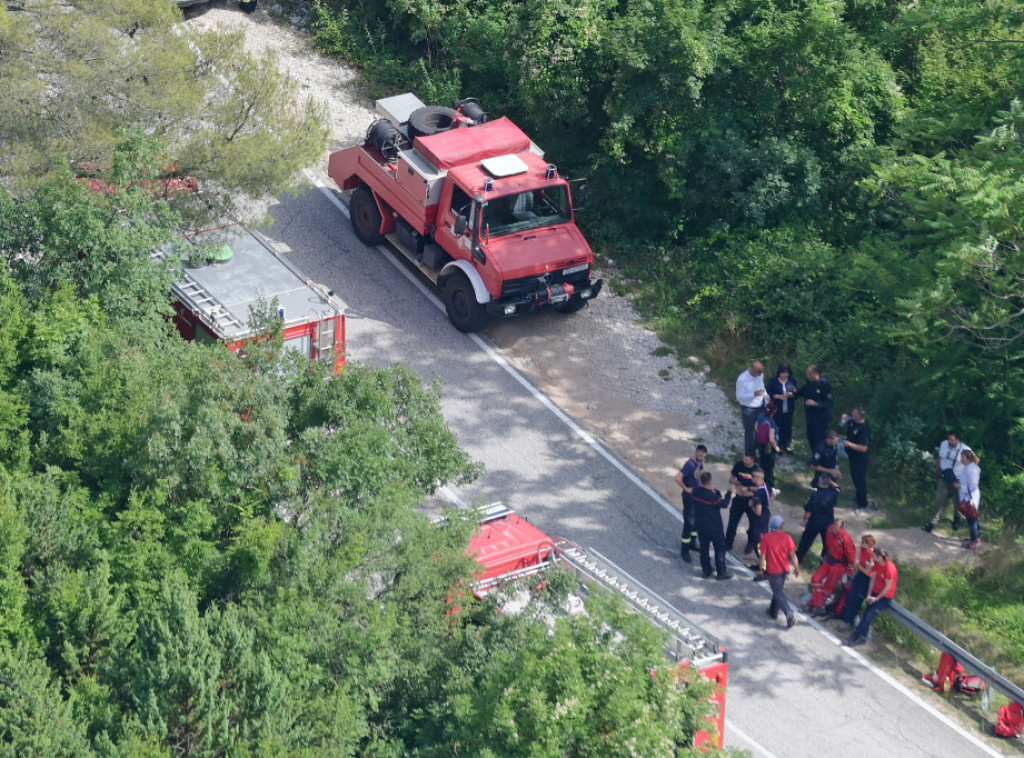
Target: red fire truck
x=472 y=202
x=228 y=269
x=508 y=547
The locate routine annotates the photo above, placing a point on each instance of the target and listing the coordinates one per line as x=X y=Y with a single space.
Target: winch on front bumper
x=517 y=298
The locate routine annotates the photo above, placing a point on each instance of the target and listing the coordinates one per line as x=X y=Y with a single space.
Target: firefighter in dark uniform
x=708 y=505
x=826 y=459
x=688 y=479
x=741 y=478
x=818 y=398
x=858 y=443
x=819 y=515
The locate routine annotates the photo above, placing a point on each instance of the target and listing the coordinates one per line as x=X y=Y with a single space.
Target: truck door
x=455 y=201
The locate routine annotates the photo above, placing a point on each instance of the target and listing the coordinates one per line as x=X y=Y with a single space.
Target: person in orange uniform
x=840 y=558
x=778 y=554
x=883 y=590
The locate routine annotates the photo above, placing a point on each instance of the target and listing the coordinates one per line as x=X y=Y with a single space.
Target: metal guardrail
x=934 y=637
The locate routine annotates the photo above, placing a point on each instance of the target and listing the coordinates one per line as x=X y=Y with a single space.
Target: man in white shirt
x=948 y=467
x=750 y=394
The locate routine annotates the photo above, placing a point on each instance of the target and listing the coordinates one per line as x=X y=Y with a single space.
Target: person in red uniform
x=839 y=560
x=860 y=583
x=778 y=554
x=883 y=590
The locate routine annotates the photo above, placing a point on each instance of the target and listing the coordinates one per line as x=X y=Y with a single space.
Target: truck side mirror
x=461 y=224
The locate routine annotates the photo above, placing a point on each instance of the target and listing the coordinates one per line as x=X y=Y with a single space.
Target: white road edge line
x=644 y=487
x=758 y=748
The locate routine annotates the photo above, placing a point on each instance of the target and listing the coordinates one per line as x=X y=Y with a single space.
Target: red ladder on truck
x=509 y=548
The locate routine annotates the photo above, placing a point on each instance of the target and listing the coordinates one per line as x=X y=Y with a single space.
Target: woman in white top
x=970 y=481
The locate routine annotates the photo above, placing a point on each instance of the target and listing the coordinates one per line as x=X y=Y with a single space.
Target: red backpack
x=764 y=433
x=1011 y=721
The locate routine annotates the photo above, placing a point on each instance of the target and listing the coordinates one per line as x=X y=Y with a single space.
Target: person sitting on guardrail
x=883 y=590
x=839 y=559
x=861 y=581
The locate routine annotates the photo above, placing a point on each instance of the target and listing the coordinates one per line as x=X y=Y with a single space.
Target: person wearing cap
x=751 y=394
x=778 y=555
x=839 y=560
x=708 y=505
x=883 y=590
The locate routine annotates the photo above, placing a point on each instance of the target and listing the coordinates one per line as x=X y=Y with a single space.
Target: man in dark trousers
x=760 y=508
x=708 y=505
x=826 y=460
x=818 y=398
x=777 y=555
x=688 y=480
x=883 y=590
x=819 y=515
x=751 y=395
x=948 y=467
x=858 y=443
x=742 y=481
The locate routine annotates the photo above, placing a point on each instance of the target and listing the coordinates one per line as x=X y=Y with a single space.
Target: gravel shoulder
x=602 y=366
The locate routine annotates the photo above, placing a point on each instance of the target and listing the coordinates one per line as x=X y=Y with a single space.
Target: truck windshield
x=527 y=210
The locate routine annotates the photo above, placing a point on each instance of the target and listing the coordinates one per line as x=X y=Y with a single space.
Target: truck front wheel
x=365 y=215
x=465 y=313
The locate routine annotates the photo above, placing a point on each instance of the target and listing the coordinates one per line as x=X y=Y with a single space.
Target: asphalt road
x=791 y=692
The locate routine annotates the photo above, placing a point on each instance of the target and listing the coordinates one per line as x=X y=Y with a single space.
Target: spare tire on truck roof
x=430 y=119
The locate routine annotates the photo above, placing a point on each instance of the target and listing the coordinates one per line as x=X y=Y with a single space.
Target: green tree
x=78 y=76
x=590 y=684
x=35 y=719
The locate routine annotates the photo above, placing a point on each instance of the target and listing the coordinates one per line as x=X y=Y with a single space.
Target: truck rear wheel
x=365 y=216
x=465 y=313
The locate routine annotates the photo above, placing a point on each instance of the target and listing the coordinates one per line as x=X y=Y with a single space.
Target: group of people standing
x=748 y=495
x=767 y=409
x=852 y=576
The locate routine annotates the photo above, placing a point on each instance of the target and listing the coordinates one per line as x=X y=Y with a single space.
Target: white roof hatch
x=504 y=165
